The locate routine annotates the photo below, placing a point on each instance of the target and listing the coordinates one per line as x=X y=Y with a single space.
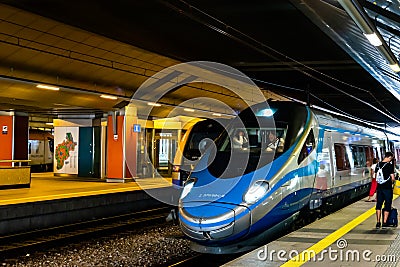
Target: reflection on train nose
x=219 y=224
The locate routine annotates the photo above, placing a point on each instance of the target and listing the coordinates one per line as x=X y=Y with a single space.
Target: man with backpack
x=384 y=177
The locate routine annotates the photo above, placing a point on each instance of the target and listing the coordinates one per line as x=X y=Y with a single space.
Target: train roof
x=35 y=134
x=340 y=121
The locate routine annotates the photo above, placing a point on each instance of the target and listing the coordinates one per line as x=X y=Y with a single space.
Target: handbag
x=396 y=187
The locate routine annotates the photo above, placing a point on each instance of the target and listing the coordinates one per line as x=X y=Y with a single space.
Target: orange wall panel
x=6 y=139
x=115 y=162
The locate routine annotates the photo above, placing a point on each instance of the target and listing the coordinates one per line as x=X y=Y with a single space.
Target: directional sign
x=136 y=128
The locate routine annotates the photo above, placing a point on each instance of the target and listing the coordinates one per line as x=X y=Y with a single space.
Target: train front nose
x=214 y=221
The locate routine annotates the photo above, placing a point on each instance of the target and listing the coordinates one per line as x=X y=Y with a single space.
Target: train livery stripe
x=305 y=256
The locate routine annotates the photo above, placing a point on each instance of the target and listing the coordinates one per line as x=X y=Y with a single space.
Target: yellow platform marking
x=305 y=256
x=134 y=187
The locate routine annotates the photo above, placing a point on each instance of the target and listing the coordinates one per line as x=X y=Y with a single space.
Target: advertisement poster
x=66 y=150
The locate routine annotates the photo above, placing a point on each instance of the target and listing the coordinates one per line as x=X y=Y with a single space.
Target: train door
x=165 y=145
x=325 y=172
x=343 y=167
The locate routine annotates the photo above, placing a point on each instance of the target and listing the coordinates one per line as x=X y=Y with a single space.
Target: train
x=238 y=198
x=191 y=147
x=40 y=150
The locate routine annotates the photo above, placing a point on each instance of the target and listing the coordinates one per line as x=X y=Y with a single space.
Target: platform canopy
x=310 y=51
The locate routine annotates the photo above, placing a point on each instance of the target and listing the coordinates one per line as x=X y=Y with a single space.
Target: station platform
x=46 y=186
x=56 y=200
x=347 y=237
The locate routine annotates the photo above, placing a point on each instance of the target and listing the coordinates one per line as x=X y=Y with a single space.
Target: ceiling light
x=48 y=87
x=154 y=104
x=49 y=123
x=217 y=114
x=373 y=39
x=360 y=17
x=109 y=97
x=188 y=109
x=395 y=67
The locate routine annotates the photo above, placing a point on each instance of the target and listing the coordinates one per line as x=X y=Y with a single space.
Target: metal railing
x=13 y=161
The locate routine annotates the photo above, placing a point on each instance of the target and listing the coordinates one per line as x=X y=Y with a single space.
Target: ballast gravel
x=148 y=246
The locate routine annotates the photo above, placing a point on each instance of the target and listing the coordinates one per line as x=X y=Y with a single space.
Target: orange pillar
x=6 y=139
x=13 y=138
x=121 y=146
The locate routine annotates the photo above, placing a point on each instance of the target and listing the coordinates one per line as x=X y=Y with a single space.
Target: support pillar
x=13 y=137
x=122 y=139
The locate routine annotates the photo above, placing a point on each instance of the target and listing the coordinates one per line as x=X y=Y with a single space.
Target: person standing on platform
x=384 y=193
x=374 y=184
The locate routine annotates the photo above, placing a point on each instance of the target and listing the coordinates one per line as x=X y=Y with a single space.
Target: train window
x=51 y=144
x=354 y=152
x=369 y=155
x=342 y=159
x=362 y=159
x=257 y=140
x=359 y=154
x=308 y=146
x=376 y=154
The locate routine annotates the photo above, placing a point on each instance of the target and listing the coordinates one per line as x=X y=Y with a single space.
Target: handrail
x=14 y=161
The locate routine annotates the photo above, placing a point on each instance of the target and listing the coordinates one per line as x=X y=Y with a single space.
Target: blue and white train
x=294 y=158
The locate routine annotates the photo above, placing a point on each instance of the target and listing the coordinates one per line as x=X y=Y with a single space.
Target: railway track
x=25 y=243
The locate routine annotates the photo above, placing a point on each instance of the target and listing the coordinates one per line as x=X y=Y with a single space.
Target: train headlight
x=188 y=187
x=256 y=191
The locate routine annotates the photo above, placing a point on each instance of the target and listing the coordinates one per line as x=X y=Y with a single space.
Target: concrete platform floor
x=46 y=186
x=347 y=237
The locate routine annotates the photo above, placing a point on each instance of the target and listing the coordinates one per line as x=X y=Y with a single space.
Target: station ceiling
x=308 y=50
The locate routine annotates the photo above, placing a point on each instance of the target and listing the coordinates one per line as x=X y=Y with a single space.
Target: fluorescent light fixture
x=217 y=114
x=154 y=104
x=49 y=123
x=373 y=39
x=109 y=97
x=48 y=87
x=395 y=67
x=188 y=109
x=265 y=112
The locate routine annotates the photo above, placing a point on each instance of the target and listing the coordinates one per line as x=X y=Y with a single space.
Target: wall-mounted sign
x=5 y=129
x=136 y=128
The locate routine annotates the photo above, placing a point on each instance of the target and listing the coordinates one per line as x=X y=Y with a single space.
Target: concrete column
x=13 y=137
x=122 y=141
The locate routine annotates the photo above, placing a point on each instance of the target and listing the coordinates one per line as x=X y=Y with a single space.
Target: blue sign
x=136 y=128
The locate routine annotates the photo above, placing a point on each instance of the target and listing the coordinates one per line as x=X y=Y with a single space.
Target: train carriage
x=40 y=150
x=296 y=158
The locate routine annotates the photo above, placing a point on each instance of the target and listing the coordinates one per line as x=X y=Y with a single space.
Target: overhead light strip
x=109 y=97
x=359 y=16
x=48 y=87
x=373 y=39
x=154 y=104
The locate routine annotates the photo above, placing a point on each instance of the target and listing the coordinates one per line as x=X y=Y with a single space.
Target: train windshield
x=256 y=137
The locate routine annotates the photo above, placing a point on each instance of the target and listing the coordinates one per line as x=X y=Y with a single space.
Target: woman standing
x=373 y=181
